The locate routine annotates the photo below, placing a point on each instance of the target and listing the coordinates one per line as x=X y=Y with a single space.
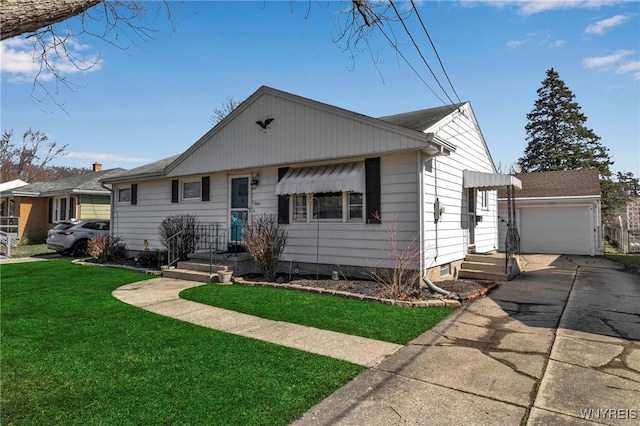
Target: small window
x=355 y=205
x=445 y=270
x=191 y=190
x=327 y=205
x=124 y=195
x=300 y=208
x=484 y=197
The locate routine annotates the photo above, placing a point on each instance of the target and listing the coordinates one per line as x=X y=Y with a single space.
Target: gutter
x=111 y=207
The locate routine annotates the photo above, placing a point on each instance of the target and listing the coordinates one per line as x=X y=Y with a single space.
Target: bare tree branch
x=29 y=161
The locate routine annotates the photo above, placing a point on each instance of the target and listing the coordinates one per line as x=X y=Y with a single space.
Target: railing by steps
x=209 y=237
x=8 y=239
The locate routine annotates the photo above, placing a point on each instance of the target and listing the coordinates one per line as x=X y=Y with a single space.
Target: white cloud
x=20 y=63
x=514 y=44
x=632 y=67
x=600 y=26
x=603 y=61
x=105 y=156
x=539 y=39
x=557 y=44
x=531 y=7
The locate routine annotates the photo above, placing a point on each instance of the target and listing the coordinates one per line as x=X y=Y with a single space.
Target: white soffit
x=348 y=177
x=473 y=179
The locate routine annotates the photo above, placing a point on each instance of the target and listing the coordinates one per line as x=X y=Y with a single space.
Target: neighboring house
x=281 y=154
x=556 y=212
x=40 y=205
x=6 y=196
x=9 y=224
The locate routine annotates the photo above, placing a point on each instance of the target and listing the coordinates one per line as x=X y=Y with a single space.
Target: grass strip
x=630 y=261
x=389 y=323
x=72 y=354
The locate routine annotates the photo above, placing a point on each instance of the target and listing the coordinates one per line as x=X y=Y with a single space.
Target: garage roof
x=563 y=183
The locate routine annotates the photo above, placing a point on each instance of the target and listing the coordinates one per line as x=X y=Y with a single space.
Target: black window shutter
x=283 y=200
x=174 y=191
x=372 y=175
x=50 y=210
x=205 y=188
x=134 y=193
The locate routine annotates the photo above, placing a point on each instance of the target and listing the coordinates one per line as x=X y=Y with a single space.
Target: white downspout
x=421 y=227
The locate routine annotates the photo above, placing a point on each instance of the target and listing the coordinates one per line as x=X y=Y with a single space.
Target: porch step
x=200 y=266
x=484 y=266
x=489 y=266
x=478 y=274
x=189 y=275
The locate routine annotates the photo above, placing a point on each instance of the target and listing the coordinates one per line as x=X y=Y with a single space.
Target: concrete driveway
x=558 y=345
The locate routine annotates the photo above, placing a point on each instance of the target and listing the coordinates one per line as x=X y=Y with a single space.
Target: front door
x=471 y=203
x=239 y=208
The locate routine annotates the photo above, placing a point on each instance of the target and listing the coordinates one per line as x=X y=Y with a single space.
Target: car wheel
x=79 y=249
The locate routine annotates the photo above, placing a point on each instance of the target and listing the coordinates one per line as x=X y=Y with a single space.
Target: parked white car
x=71 y=237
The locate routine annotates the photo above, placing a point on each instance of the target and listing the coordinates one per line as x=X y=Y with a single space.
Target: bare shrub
x=96 y=246
x=182 y=226
x=402 y=281
x=265 y=241
x=107 y=249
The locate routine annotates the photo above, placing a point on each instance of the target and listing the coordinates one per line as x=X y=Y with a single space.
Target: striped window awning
x=348 y=177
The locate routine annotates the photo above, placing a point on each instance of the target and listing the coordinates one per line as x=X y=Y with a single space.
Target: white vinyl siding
x=444 y=178
x=356 y=243
x=302 y=131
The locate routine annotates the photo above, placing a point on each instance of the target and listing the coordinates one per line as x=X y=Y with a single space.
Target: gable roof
x=86 y=183
x=224 y=155
x=563 y=183
x=422 y=119
x=151 y=170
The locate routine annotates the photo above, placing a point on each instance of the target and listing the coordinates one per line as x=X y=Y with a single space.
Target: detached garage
x=556 y=213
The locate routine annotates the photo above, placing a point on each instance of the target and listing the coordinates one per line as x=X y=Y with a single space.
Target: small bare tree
x=402 y=281
x=265 y=241
x=225 y=109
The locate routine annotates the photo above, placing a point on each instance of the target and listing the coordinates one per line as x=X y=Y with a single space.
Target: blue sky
x=154 y=100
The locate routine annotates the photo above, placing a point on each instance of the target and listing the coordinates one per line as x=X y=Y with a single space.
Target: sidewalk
x=160 y=295
x=502 y=360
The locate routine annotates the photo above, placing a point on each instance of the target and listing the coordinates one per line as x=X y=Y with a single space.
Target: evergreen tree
x=556 y=133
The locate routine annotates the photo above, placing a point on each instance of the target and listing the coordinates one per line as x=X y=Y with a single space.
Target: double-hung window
x=191 y=190
x=124 y=195
x=299 y=202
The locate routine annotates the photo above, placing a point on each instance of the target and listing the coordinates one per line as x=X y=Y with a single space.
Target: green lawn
x=27 y=250
x=367 y=319
x=73 y=354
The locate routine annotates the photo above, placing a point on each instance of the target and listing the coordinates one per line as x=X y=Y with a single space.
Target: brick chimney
x=97 y=167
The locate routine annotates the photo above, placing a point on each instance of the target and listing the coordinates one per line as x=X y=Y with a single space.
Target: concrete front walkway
x=160 y=295
x=502 y=360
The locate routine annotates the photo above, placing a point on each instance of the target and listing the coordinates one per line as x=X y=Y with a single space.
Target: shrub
x=184 y=243
x=402 y=281
x=151 y=258
x=107 y=249
x=265 y=241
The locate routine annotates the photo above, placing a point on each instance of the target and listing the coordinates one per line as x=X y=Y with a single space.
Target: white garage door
x=556 y=230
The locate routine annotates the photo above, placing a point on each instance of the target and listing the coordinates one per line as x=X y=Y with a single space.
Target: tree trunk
x=26 y=16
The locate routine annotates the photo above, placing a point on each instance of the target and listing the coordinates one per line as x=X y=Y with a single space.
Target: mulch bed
x=462 y=289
